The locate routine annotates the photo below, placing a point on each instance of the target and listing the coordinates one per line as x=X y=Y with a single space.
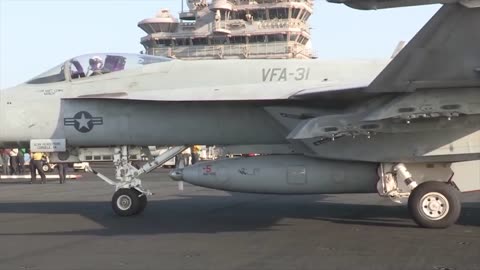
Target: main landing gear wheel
x=128 y=202
x=434 y=205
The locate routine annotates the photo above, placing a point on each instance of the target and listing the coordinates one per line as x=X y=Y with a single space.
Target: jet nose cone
x=176 y=175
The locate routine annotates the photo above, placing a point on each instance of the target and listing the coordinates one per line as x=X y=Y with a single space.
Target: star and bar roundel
x=83 y=121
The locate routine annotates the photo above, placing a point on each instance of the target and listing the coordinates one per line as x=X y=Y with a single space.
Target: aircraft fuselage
x=235 y=103
x=33 y=111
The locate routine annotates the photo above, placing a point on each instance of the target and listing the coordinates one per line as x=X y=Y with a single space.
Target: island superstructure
x=231 y=29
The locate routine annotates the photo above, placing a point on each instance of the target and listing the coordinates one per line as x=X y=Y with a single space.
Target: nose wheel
x=128 y=202
x=434 y=205
x=130 y=198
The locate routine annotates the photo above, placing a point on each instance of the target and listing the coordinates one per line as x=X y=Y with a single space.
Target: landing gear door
x=467 y=175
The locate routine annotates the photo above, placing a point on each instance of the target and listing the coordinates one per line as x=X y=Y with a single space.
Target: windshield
x=99 y=64
x=55 y=74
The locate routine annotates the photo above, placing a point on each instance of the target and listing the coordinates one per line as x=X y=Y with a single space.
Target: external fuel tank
x=282 y=174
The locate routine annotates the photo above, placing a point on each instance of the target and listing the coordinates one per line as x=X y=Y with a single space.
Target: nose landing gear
x=130 y=198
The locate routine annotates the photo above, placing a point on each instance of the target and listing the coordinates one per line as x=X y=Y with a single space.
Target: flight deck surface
x=72 y=226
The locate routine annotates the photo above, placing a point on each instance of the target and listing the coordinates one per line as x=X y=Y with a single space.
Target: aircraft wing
x=433 y=79
x=381 y=4
x=444 y=54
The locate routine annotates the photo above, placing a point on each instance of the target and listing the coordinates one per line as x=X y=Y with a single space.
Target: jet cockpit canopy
x=55 y=74
x=88 y=65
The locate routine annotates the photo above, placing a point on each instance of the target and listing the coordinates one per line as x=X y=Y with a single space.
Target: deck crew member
x=196 y=149
x=21 y=160
x=62 y=172
x=4 y=157
x=14 y=161
x=36 y=164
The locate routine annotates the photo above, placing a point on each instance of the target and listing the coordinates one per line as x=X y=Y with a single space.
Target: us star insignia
x=83 y=121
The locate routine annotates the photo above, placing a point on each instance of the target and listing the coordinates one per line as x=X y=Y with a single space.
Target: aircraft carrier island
x=224 y=29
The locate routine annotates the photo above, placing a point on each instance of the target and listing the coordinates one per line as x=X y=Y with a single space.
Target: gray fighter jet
x=409 y=127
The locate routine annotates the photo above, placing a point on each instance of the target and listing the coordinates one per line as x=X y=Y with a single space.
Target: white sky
x=36 y=35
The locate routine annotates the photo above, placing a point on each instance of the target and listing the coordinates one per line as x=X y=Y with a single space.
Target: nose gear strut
x=130 y=196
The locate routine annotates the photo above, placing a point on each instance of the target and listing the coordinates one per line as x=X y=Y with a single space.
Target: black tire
x=143 y=203
x=421 y=210
x=126 y=202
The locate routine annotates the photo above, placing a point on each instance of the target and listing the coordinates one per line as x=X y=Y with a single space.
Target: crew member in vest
x=36 y=163
x=21 y=160
x=196 y=149
x=14 y=161
x=4 y=157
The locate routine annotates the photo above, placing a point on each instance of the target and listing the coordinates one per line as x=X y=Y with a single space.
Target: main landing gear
x=130 y=198
x=432 y=204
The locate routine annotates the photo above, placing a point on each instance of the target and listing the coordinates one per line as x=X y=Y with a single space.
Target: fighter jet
x=407 y=127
